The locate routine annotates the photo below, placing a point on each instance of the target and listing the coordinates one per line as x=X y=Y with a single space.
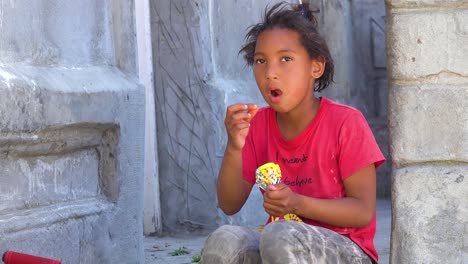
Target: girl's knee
x=278 y=230
x=228 y=242
x=226 y=234
x=277 y=237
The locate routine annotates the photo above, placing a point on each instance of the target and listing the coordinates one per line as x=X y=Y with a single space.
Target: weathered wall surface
x=71 y=136
x=369 y=68
x=428 y=120
x=185 y=114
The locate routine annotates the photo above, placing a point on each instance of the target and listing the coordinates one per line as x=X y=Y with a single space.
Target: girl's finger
x=236 y=108
x=252 y=109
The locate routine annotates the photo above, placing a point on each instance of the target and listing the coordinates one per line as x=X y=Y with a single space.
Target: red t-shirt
x=337 y=143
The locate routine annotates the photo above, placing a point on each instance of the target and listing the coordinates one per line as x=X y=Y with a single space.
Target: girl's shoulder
x=338 y=110
x=337 y=106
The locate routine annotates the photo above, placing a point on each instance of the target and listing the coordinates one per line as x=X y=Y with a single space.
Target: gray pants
x=282 y=242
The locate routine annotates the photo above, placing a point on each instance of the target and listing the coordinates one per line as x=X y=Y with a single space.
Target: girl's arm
x=232 y=189
x=355 y=210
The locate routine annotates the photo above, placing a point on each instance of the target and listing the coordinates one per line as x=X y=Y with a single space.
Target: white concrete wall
x=71 y=136
x=185 y=114
x=152 y=206
x=428 y=120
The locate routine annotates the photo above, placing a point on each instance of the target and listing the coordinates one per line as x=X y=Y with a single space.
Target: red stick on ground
x=11 y=257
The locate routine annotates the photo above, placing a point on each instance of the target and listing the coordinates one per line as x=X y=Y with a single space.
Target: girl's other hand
x=237 y=124
x=279 y=200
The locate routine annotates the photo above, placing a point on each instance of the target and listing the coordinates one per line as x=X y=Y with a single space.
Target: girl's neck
x=292 y=123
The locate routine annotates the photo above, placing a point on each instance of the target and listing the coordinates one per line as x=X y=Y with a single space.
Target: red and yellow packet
x=266 y=175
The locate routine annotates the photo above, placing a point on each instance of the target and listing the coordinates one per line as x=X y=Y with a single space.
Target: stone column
x=427 y=49
x=71 y=131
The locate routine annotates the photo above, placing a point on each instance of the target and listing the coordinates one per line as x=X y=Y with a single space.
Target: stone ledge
x=428 y=123
x=89 y=148
x=28 y=219
x=33 y=98
x=56 y=140
x=85 y=79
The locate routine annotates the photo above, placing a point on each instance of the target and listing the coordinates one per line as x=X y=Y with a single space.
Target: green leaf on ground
x=180 y=251
x=196 y=258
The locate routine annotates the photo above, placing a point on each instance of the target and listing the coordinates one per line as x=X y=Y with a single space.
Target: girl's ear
x=318 y=67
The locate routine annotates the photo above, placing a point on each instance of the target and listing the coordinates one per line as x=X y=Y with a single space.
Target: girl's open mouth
x=275 y=95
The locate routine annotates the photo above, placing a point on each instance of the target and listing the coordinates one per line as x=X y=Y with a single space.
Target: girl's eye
x=259 y=61
x=286 y=59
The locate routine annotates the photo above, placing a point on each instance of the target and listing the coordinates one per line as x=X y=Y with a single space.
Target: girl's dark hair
x=300 y=19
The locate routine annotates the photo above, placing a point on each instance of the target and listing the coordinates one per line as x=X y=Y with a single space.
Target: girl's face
x=284 y=72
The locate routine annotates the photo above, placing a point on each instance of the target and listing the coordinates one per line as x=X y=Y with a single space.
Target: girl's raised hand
x=237 y=123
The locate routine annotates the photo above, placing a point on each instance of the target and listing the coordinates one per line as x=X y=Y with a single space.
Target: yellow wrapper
x=270 y=173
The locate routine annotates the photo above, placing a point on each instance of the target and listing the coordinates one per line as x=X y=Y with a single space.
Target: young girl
x=326 y=152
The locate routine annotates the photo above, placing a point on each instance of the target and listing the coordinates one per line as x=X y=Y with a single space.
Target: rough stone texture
x=430 y=214
x=428 y=123
x=428 y=127
x=71 y=136
x=443 y=34
x=185 y=118
x=427 y=3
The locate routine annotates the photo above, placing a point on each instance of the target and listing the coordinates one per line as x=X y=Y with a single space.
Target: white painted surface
x=152 y=206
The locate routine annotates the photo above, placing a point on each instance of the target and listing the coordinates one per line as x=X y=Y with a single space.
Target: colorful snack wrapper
x=267 y=174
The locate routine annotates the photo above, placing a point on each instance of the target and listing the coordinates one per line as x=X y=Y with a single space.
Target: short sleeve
x=358 y=147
